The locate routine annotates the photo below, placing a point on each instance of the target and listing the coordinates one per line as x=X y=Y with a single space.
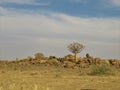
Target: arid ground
x=45 y=77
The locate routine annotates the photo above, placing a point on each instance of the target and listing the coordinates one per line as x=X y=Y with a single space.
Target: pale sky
x=48 y=26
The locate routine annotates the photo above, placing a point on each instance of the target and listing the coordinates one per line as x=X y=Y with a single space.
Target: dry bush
x=39 y=56
x=101 y=69
x=55 y=62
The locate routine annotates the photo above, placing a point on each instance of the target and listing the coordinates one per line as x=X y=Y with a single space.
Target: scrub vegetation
x=60 y=73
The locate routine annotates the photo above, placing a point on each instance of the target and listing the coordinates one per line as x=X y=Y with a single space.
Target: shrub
x=39 y=56
x=101 y=69
x=55 y=62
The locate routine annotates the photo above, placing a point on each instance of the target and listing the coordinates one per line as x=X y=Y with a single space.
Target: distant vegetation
x=75 y=48
x=70 y=72
x=99 y=66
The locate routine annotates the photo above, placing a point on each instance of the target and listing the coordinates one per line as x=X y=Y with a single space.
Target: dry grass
x=53 y=78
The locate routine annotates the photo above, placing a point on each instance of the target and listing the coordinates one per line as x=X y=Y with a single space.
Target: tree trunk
x=76 y=57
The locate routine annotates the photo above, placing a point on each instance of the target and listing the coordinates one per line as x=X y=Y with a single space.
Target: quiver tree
x=75 y=48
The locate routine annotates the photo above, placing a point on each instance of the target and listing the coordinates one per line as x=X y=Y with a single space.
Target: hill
x=52 y=73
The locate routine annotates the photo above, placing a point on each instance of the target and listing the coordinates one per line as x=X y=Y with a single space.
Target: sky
x=49 y=26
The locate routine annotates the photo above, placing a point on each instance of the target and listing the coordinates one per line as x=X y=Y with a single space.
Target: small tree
x=39 y=56
x=75 y=48
x=87 y=55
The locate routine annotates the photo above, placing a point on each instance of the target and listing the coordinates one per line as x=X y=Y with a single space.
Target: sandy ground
x=54 y=78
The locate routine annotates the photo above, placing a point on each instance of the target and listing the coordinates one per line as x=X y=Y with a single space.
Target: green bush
x=102 y=69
